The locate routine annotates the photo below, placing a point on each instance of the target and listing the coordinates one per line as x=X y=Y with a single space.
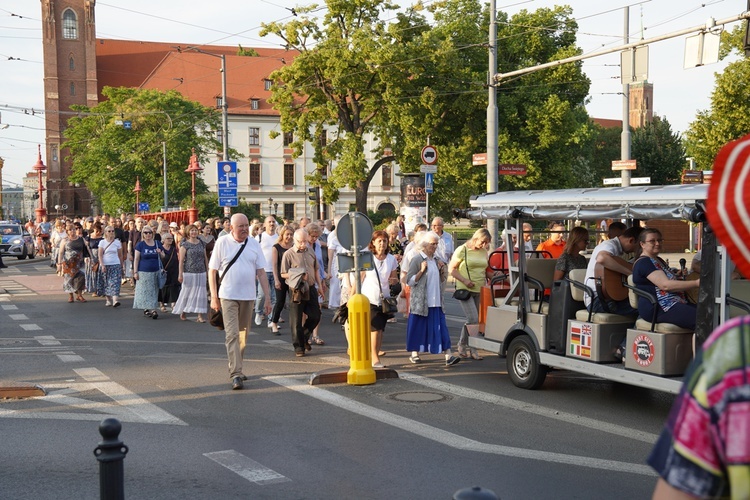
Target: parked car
x=16 y=241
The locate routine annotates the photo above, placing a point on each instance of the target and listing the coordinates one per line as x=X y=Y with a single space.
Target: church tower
x=641 y=104
x=69 y=41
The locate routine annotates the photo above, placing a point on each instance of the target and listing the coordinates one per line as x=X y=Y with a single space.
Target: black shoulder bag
x=389 y=305
x=464 y=294
x=216 y=318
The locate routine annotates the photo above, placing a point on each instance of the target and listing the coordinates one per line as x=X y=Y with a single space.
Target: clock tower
x=69 y=41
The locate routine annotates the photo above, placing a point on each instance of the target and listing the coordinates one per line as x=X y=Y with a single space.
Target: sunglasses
x=148 y=232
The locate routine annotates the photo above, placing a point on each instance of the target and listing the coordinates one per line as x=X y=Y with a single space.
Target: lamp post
x=270 y=206
x=192 y=169
x=40 y=167
x=137 y=191
x=224 y=104
x=275 y=209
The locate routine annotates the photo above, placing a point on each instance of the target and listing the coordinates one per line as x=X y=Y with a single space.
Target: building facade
x=78 y=65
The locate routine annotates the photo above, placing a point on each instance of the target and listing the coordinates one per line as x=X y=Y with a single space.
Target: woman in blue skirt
x=426 y=330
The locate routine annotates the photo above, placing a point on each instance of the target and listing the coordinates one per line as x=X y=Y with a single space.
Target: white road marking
x=280 y=343
x=30 y=327
x=69 y=357
x=18 y=317
x=514 y=404
x=9 y=307
x=126 y=406
x=47 y=340
x=246 y=467
x=454 y=440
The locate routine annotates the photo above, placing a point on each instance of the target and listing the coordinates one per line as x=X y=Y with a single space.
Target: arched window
x=72 y=64
x=70 y=24
x=72 y=88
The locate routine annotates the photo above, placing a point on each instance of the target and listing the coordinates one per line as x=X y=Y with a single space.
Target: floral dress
x=74 y=280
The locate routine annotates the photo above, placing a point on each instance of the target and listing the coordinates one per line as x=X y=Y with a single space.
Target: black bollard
x=475 y=493
x=110 y=453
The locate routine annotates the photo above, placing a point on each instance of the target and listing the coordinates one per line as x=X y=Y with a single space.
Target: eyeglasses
x=659 y=241
x=148 y=232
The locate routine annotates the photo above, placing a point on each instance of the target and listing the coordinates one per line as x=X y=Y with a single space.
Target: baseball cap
x=172 y=224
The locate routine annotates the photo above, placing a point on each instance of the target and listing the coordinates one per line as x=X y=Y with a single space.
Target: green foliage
x=107 y=158
x=382 y=218
x=727 y=119
x=208 y=206
x=604 y=146
x=251 y=52
x=659 y=152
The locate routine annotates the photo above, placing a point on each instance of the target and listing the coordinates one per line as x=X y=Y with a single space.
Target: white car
x=16 y=241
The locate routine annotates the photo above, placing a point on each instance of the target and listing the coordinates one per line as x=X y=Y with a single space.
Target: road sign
x=345 y=232
x=227 y=192
x=429 y=181
x=428 y=169
x=479 y=159
x=429 y=155
x=143 y=206
x=511 y=169
x=624 y=165
x=127 y=125
x=227 y=175
x=228 y=202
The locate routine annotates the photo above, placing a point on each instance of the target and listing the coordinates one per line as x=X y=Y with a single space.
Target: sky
x=678 y=93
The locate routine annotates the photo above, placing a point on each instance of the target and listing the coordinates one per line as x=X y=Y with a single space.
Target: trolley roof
x=636 y=202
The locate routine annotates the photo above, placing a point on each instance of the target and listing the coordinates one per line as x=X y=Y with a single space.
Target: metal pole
x=625 y=137
x=166 y=197
x=492 y=119
x=224 y=109
x=355 y=250
x=110 y=453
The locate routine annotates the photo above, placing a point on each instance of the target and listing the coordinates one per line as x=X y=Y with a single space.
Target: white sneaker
x=258 y=319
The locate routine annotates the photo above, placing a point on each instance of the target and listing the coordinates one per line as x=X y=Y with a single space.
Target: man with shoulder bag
x=239 y=260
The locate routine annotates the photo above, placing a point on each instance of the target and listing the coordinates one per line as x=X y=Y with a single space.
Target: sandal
x=81 y=299
x=317 y=341
x=70 y=299
x=163 y=309
x=382 y=353
x=475 y=355
x=200 y=320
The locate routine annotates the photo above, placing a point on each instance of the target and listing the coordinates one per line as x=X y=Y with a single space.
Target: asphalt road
x=424 y=435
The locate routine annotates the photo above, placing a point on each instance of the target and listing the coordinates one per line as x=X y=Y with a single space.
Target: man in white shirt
x=445 y=244
x=605 y=253
x=267 y=239
x=236 y=294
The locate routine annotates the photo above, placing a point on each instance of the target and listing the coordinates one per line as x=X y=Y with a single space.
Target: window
x=72 y=64
x=255 y=207
x=254 y=174
x=289 y=211
x=70 y=25
x=253 y=136
x=254 y=103
x=220 y=136
x=267 y=84
x=387 y=175
x=289 y=174
x=72 y=88
x=219 y=102
x=323 y=138
x=288 y=138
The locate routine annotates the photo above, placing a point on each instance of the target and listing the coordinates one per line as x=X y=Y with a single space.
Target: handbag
x=389 y=305
x=216 y=317
x=161 y=276
x=464 y=294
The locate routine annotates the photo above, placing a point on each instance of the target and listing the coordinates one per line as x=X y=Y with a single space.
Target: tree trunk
x=360 y=197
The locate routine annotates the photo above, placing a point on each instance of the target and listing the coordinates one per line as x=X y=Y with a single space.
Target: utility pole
x=625 y=137
x=492 y=118
x=164 y=155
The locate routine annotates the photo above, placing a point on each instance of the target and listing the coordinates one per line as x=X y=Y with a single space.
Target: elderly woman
x=94 y=270
x=70 y=261
x=375 y=286
x=145 y=269
x=571 y=258
x=653 y=275
x=469 y=267
x=111 y=264
x=426 y=329
x=192 y=275
x=170 y=261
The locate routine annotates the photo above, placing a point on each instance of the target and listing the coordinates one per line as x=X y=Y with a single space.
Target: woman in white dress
x=193 y=266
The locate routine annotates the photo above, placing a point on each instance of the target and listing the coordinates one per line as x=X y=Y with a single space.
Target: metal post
x=492 y=119
x=110 y=453
x=224 y=109
x=355 y=250
x=625 y=137
x=166 y=197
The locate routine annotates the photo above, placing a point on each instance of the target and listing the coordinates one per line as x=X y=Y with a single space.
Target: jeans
x=301 y=332
x=621 y=307
x=470 y=307
x=262 y=296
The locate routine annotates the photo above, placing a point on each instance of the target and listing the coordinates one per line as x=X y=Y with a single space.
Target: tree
x=595 y=164
x=659 y=152
x=729 y=115
x=107 y=157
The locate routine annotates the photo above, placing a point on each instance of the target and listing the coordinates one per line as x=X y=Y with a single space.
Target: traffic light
x=35 y=196
x=312 y=195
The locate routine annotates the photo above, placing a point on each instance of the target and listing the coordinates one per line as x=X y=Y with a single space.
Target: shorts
x=378 y=319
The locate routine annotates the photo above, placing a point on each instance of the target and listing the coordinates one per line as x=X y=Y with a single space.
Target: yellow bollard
x=360 y=359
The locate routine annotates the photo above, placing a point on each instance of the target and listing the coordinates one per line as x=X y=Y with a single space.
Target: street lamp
x=224 y=104
x=40 y=167
x=192 y=169
x=270 y=205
